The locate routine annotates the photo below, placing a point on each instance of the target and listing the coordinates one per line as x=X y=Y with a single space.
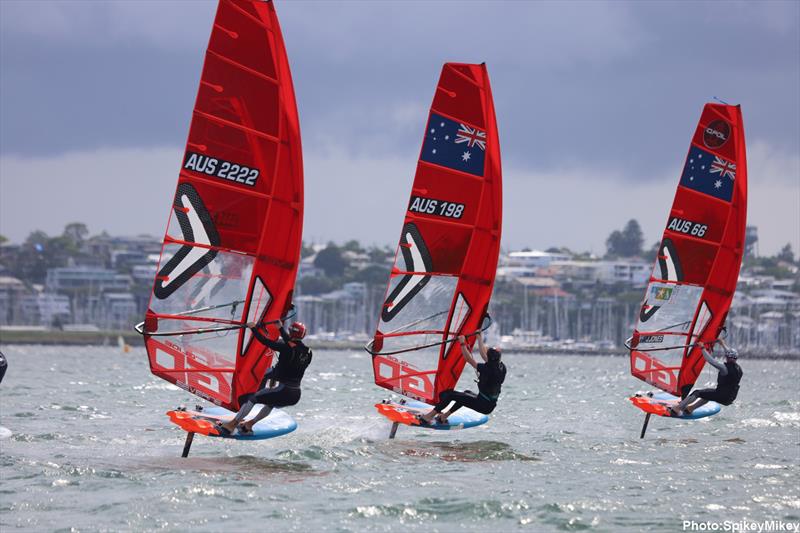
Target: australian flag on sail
x=454 y=145
x=710 y=174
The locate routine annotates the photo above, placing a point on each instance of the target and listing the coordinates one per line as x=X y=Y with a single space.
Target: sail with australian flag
x=444 y=269
x=232 y=245
x=695 y=273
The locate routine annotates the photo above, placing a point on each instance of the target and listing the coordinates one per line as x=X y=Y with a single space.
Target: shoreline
x=131 y=338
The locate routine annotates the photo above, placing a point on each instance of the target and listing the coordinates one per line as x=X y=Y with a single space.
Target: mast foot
x=188 y=444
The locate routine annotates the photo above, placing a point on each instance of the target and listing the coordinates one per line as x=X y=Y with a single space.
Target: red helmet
x=297 y=330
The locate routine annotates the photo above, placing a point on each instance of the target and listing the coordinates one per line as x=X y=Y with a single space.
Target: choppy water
x=92 y=450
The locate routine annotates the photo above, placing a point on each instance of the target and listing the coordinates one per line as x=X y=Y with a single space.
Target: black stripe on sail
x=162 y=290
x=390 y=307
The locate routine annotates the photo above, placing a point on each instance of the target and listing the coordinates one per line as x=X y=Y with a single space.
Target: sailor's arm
x=284 y=334
x=282 y=329
x=267 y=380
x=465 y=351
x=482 y=348
x=263 y=339
x=713 y=362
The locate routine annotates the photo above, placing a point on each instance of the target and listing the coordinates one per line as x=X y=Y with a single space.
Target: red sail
x=446 y=259
x=698 y=262
x=232 y=244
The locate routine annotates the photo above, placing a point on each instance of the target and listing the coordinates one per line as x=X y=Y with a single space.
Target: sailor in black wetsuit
x=491 y=374
x=281 y=384
x=730 y=374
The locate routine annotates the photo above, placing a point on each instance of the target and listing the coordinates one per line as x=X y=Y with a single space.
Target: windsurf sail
x=445 y=264
x=695 y=273
x=232 y=244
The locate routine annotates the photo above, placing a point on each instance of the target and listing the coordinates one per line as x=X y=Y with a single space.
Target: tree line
x=40 y=252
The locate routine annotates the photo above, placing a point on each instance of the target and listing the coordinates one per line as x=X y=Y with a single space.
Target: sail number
x=687 y=227
x=430 y=206
x=219 y=168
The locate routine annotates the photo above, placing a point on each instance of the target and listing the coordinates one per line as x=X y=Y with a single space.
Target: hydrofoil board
x=658 y=404
x=204 y=422
x=406 y=413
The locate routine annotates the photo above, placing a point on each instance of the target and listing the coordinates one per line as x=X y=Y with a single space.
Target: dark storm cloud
x=616 y=85
x=596 y=103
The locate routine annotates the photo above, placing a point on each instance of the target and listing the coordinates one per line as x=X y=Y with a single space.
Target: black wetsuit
x=287 y=372
x=490 y=379
x=3 y=366
x=727 y=386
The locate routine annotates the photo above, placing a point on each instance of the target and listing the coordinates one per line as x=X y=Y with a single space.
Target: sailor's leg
x=264 y=413
x=453 y=408
x=444 y=416
x=678 y=409
x=459 y=399
x=244 y=410
x=690 y=408
x=444 y=400
x=278 y=396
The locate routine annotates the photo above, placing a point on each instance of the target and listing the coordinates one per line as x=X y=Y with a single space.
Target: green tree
x=352 y=246
x=372 y=275
x=559 y=250
x=76 y=233
x=306 y=250
x=379 y=255
x=626 y=243
x=312 y=285
x=653 y=252
x=330 y=260
x=786 y=254
x=33 y=259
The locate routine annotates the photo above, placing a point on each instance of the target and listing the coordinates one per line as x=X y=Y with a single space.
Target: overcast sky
x=596 y=104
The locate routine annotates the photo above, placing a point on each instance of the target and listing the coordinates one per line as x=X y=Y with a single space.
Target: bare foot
x=224 y=429
x=427 y=417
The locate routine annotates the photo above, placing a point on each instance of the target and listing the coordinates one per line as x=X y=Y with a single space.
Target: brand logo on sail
x=716 y=134
x=651 y=339
x=661 y=293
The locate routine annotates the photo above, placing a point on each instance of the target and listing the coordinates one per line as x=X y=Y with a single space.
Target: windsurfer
x=491 y=374
x=730 y=374
x=280 y=386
